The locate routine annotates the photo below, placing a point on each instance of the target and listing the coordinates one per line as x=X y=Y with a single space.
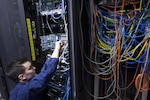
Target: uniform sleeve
x=47 y=71
x=50 y=65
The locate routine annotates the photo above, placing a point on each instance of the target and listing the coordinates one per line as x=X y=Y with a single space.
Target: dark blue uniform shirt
x=33 y=89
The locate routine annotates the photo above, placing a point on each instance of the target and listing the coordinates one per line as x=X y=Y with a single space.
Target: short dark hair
x=15 y=68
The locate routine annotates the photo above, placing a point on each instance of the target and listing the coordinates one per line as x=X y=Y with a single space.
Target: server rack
x=101 y=23
x=83 y=84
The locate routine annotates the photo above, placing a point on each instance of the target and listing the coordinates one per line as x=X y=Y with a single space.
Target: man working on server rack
x=29 y=84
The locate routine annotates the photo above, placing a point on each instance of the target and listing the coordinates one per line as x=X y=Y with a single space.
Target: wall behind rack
x=13 y=39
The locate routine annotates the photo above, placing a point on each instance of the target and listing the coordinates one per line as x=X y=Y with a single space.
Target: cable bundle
x=119 y=42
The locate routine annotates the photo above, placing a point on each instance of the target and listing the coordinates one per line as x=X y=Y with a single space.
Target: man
x=29 y=84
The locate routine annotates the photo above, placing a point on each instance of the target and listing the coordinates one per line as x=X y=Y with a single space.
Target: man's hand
x=59 y=44
x=56 y=51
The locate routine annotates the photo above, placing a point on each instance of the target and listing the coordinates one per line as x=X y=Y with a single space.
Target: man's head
x=21 y=70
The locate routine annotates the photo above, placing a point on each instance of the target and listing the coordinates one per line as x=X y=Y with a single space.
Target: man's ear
x=21 y=77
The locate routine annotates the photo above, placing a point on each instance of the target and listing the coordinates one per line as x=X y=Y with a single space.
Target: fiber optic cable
x=142 y=73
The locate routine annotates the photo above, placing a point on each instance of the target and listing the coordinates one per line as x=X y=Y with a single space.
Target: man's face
x=30 y=71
